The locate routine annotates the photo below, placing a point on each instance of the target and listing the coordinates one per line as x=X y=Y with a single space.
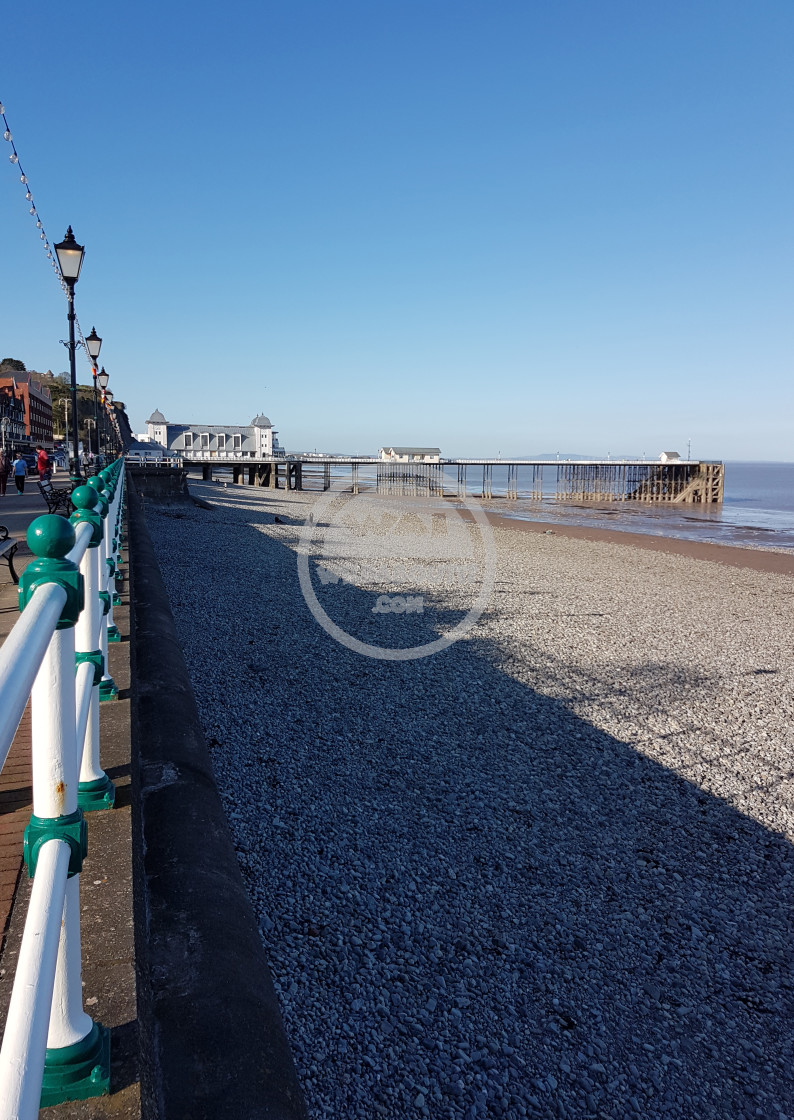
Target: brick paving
x=106 y=882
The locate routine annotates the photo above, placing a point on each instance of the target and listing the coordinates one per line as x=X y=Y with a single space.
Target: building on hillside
x=12 y=416
x=256 y=440
x=410 y=454
x=36 y=401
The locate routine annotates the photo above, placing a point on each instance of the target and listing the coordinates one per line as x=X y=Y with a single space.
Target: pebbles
x=546 y=872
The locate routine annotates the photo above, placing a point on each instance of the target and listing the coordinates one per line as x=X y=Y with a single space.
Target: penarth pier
x=675 y=481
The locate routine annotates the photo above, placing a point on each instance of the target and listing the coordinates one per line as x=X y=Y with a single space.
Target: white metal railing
x=56 y=655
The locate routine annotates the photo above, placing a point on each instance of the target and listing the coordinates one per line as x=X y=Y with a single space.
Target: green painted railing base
x=116 y=599
x=108 y=690
x=75 y=1073
x=92 y=796
x=113 y=634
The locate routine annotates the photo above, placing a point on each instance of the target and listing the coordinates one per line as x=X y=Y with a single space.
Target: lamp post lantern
x=102 y=378
x=109 y=401
x=70 y=259
x=94 y=345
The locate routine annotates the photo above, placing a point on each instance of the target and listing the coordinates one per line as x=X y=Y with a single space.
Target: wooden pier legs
x=487 y=480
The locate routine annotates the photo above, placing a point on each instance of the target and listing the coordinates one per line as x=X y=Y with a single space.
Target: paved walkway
x=15 y=777
x=17 y=511
x=106 y=882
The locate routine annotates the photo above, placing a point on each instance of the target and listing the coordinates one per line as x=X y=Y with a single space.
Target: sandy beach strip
x=757 y=559
x=546 y=872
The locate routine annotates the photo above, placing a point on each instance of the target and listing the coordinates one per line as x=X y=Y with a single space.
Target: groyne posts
x=52 y=1051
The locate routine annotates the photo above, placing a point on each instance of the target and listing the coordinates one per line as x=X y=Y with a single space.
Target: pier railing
x=56 y=657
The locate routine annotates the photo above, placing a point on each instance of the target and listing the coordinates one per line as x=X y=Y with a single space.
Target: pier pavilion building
x=256 y=440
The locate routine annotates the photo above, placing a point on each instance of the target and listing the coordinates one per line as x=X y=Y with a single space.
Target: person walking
x=5 y=467
x=20 y=469
x=42 y=463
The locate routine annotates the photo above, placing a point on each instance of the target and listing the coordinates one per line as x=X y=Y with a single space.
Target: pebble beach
x=546 y=872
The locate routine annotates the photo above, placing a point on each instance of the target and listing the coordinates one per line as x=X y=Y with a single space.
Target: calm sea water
x=758 y=510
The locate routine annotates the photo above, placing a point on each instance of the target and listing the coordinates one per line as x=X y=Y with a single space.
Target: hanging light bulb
x=2 y=107
x=23 y=178
x=33 y=209
x=28 y=196
x=14 y=157
x=38 y=224
x=7 y=135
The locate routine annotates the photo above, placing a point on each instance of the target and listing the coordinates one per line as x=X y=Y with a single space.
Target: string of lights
x=33 y=211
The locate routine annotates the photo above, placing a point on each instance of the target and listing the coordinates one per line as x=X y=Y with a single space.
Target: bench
x=8 y=547
x=58 y=501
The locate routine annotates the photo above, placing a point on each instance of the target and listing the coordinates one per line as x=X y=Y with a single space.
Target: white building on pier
x=256 y=440
x=410 y=454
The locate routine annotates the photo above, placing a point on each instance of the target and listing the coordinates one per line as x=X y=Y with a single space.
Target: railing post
x=96 y=791
x=111 y=543
x=77 y=1064
x=120 y=505
x=107 y=686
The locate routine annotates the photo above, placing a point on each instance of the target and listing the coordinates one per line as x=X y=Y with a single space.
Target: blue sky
x=496 y=227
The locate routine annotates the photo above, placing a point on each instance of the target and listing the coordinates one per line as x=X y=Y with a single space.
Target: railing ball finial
x=85 y=500
x=84 y=497
x=99 y=486
x=50 y=537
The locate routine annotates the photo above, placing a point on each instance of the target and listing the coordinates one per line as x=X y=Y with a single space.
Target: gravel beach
x=545 y=872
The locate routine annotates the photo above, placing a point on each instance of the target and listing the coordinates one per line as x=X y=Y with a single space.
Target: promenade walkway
x=106 y=883
x=16 y=513
x=182 y=983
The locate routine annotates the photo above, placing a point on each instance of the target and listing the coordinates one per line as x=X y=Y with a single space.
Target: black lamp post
x=70 y=258
x=109 y=400
x=102 y=377
x=94 y=345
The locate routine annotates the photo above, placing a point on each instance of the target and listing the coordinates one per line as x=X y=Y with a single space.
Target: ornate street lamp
x=70 y=259
x=103 y=378
x=109 y=405
x=94 y=345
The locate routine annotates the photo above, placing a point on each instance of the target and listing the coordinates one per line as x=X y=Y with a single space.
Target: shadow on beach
x=474 y=902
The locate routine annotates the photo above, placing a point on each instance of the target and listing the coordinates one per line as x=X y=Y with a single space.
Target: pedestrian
x=5 y=467
x=42 y=463
x=20 y=469
x=84 y=461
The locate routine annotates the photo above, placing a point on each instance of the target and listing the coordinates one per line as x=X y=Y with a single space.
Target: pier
x=677 y=482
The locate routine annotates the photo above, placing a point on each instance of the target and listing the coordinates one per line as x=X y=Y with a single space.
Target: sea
x=758 y=510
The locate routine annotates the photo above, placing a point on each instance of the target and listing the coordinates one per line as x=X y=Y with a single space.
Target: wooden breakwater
x=679 y=482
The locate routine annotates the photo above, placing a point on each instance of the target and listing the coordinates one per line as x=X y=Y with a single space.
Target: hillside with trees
x=59 y=386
